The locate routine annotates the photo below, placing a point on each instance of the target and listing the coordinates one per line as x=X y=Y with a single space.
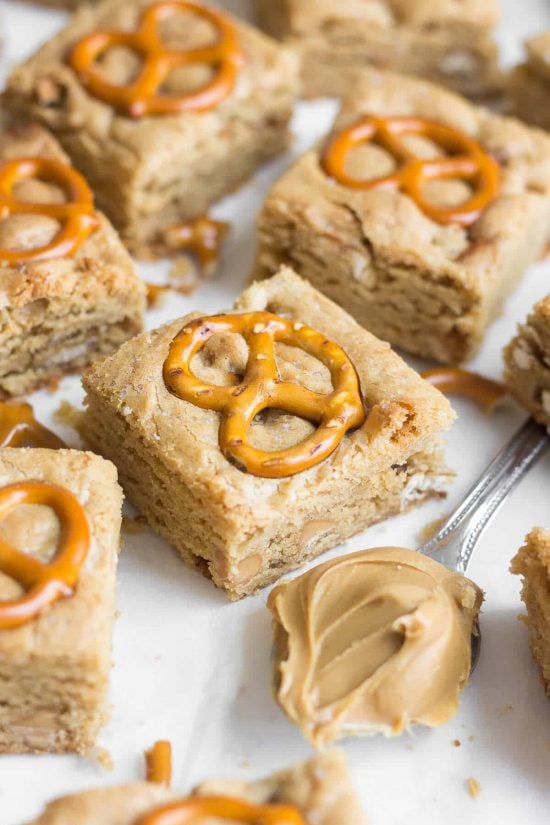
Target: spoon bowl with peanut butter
x=386 y=638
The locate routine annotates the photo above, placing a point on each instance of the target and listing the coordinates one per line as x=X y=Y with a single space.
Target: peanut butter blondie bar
x=532 y=563
x=254 y=461
x=319 y=792
x=529 y=84
x=60 y=513
x=69 y=288
x=160 y=140
x=419 y=215
x=448 y=42
x=527 y=363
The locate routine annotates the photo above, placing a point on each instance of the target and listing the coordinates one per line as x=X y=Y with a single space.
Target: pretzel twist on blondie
x=467 y=161
x=143 y=95
x=44 y=583
x=76 y=216
x=262 y=388
x=223 y=807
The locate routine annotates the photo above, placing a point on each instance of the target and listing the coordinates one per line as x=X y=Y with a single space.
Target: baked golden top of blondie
x=97 y=261
x=404 y=412
x=455 y=158
x=387 y=14
x=356 y=637
x=48 y=83
x=173 y=43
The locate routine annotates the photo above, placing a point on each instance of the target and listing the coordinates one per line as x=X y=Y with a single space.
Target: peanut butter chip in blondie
x=355 y=638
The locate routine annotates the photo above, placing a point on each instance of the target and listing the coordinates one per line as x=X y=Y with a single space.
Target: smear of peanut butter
x=372 y=642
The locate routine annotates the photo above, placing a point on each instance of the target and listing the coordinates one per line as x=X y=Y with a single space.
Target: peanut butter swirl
x=372 y=642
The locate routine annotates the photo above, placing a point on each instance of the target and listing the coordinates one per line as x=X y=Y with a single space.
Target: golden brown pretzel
x=43 y=583
x=19 y=428
x=262 y=388
x=142 y=96
x=455 y=381
x=158 y=762
x=76 y=215
x=467 y=161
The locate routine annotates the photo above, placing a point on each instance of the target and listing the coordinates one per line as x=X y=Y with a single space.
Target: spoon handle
x=455 y=542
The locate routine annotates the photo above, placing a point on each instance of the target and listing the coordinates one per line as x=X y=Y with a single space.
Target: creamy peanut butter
x=372 y=642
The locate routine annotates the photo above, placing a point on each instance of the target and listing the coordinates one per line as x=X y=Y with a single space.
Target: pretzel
x=44 y=583
x=202 y=237
x=76 y=215
x=467 y=161
x=19 y=428
x=158 y=762
x=453 y=381
x=262 y=388
x=195 y=808
x=142 y=96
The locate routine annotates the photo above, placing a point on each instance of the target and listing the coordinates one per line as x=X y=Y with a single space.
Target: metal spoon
x=454 y=544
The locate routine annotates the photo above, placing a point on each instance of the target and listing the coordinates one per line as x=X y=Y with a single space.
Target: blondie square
x=527 y=363
x=426 y=286
x=321 y=789
x=60 y=312
x=529 y=83
x=442 y=40
x=532 y=563
x=54 y=669
x=241 y=529
x=155 y=169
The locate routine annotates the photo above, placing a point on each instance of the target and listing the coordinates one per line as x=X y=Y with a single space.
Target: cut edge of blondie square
x=151 y=173
x=451 y=44
x=321 y=788
x=58 y=314
x=54 y=670
x=528 y=85
x=429 y=288
x=244 y=531
x=532 y=563
x=527 y=363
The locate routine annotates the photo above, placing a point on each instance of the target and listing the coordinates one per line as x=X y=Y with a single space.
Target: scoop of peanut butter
x=372 y=642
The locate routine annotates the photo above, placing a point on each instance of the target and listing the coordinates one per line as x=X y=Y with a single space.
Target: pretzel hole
x=274 y=429
x=33 y=529
x=120 y=65
x=369 y=161
x=299 y=367
x=182 y=30
x=184 y=80
x=222 y=361
x=447 y=193
x=23 y=232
